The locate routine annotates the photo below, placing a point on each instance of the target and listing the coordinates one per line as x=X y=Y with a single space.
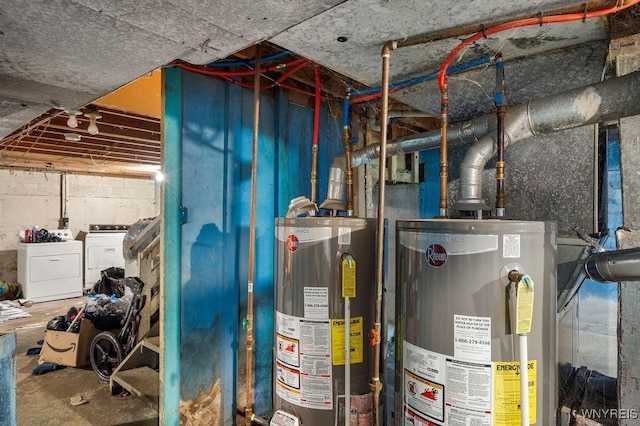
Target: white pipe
x=524 y=379
x=347 y=361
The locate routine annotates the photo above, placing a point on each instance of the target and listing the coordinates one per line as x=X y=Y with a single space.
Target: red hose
x=525 y=23
x=316 y=115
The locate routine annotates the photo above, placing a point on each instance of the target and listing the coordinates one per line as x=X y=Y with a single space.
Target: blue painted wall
x=215 y=137
x=7 y=379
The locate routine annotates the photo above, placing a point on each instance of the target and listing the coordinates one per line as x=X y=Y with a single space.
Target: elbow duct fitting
x=608 y=100
x=611 y=266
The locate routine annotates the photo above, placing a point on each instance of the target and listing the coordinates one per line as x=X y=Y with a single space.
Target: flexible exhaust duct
x=620 y=265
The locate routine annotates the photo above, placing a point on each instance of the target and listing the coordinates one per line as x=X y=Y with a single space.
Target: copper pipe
x=444 y=161
x=314 y=173
x=316 y=134
x=249 y=340
x=376 y=385
x=347 y=154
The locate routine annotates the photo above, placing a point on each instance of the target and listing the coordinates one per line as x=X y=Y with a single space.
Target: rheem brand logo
x=436 y=255
x=292 y=243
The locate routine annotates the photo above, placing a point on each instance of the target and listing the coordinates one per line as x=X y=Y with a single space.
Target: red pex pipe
x=209 y=71
x=265 y=87
x=292 y=71
x=525 y=23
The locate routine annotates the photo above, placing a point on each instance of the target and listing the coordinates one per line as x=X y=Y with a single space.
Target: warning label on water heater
x=316 y=302
x=443 y=390
x=472 y=337
x=303 y=361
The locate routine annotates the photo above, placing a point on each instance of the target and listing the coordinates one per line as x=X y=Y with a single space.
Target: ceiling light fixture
x=73 y=120
x=93 y=115
x=72 y=137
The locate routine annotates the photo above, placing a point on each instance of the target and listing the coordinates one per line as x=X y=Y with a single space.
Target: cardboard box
x=70 y=349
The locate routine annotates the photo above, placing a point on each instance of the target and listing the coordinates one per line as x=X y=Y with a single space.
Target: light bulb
x=93 y=128
x=72 y=121
x=92 y=116
x=159 y=177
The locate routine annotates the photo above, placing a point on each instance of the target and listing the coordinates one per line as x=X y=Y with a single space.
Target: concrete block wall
x=36 y=198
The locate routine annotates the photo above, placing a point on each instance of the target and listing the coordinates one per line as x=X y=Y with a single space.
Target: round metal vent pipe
x=620 y=265
x=608 y=100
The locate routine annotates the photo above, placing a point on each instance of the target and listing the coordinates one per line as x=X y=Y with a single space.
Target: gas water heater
x=323 y=265
x=461 y=312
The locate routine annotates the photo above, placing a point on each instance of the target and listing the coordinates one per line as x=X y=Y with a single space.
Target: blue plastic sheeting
x=216 y=141
x=7 y=379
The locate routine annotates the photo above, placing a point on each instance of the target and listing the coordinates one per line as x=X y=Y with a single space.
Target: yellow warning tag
x=348 y=277
x=524 y=305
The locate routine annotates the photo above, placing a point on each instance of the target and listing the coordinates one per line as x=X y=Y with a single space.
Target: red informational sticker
x=436 y=255
x=292 y=243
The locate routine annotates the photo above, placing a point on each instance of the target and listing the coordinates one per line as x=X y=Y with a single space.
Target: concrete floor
x=45 y=399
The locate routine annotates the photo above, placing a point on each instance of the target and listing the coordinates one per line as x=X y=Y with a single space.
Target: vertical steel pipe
x=249 y=340
x=376 y=385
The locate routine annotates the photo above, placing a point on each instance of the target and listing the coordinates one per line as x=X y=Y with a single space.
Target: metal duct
x=337 y=183
x=464 y=132
x=611 y=99
x=608 y=100
x=620 y=265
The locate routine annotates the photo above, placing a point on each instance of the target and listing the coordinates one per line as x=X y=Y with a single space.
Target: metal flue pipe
x=608 y=100
x=376 y=384
x=249 y=340
x=464 y=132
x=573 y=108
x=619 y=265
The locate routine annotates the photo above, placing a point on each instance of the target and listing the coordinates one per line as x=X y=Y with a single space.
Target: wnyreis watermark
x=609 y=413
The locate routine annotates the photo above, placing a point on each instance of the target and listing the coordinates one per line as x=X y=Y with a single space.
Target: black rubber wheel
x=106 y=353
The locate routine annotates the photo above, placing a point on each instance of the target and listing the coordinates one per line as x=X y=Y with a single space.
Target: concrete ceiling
x=67 y=53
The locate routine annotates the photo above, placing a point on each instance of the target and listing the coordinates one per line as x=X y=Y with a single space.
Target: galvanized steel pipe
x=376 y=385
x=620 y=265
x=608 y=100
x=249 y=340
